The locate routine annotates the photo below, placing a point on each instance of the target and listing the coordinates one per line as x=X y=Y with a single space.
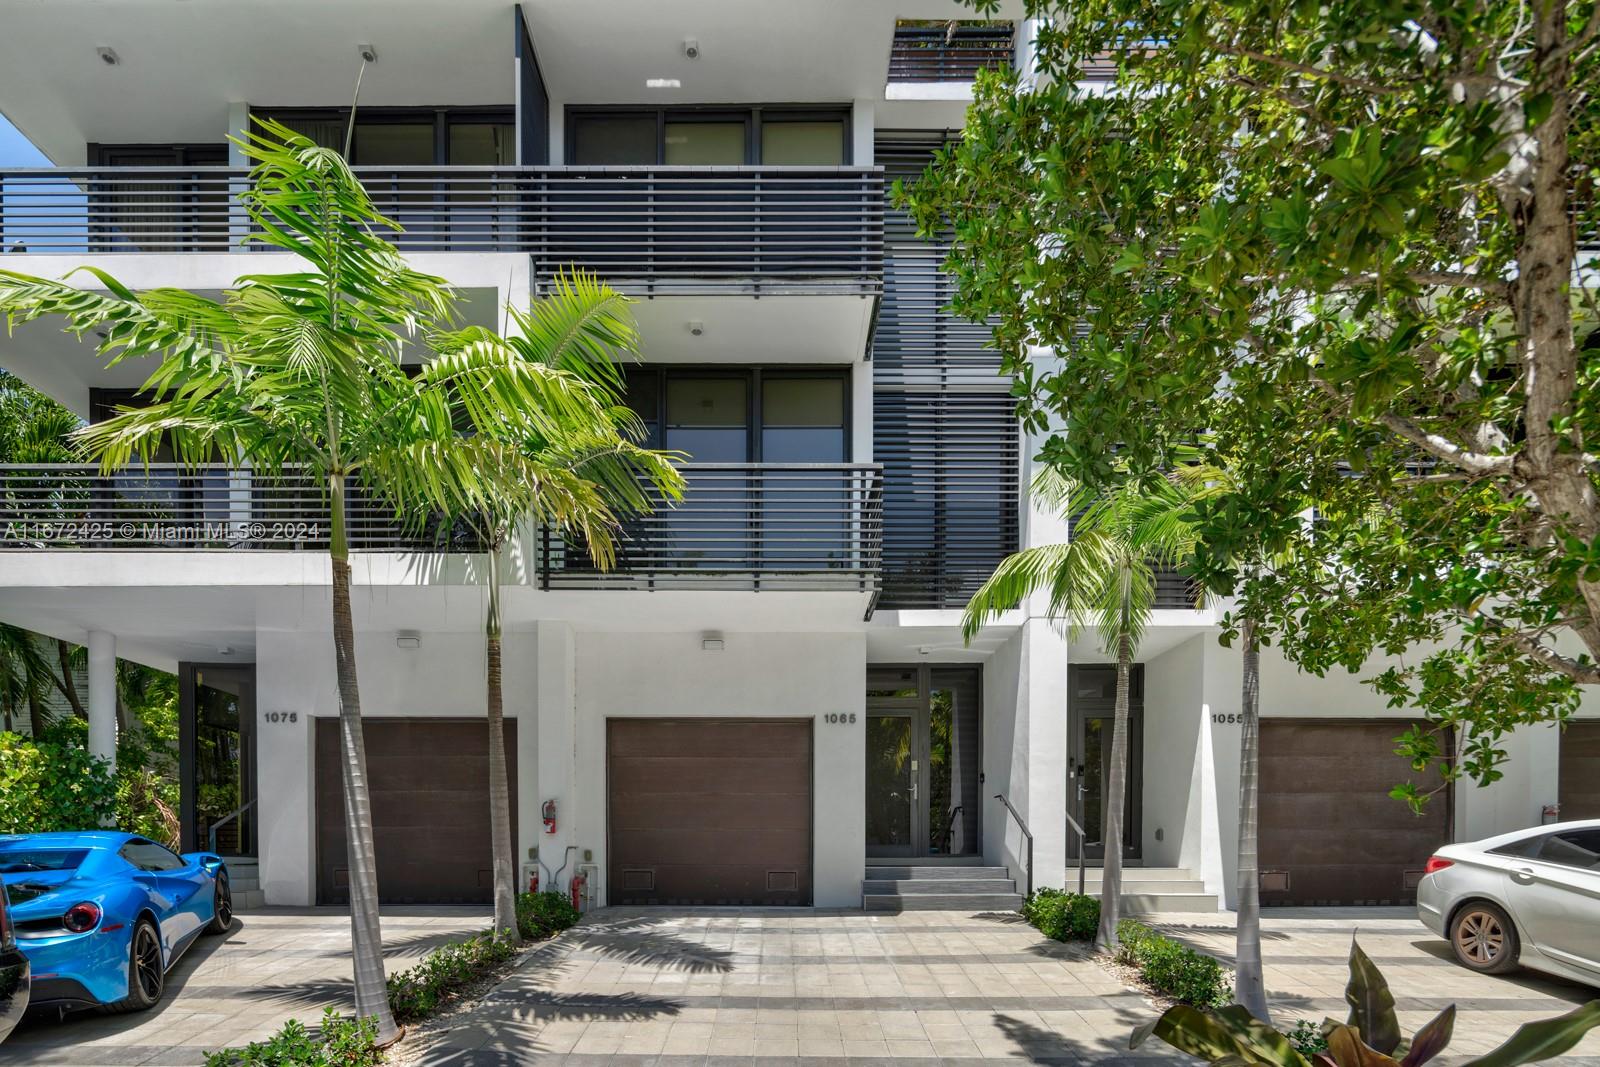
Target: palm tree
x=1104 y=576
x=25 y=676
x=299 y=375
x=587 y=477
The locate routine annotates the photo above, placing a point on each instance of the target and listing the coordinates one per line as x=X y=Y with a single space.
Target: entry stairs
x=964 y=884
x=244 y=879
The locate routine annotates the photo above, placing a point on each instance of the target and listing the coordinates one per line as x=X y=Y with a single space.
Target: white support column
x=863 y=127
x=103 y=695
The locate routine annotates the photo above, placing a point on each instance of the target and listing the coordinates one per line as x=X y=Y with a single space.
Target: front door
x=217 y=757
x=1091 y=721
x=922 y=737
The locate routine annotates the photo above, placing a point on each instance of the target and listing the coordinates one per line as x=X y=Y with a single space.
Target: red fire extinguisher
x=549 y=814
x=533 y=879
x=577 y=891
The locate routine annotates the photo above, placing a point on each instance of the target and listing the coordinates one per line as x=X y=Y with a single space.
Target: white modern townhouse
x=767 y=701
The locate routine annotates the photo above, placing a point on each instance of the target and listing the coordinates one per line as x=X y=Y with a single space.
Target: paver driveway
x=276 y=964
x=803 y=988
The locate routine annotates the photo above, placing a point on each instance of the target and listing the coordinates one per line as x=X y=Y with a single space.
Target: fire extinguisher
x=578 y=881
x=533 y=879
x=549 y=814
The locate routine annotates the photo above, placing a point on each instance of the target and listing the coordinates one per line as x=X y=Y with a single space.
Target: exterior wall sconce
x=711 y=641
x=409 y=640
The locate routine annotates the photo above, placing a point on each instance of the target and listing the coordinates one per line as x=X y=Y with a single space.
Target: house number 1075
x=842 y=718
x=283 y=716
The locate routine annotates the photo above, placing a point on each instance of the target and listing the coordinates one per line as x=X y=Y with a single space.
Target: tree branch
x=1590 y=31
x=1452 y=279
x=1305 y=68
x=1533 y=648
x=1475 y=463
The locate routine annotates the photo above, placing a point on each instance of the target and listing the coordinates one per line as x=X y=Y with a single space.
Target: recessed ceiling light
x=662 y=83
x=108 y=56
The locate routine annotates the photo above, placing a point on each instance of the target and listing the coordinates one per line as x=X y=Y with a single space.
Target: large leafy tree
x=1102 y=578
x=299 y=375
x=585 y=475
x=1342 y=241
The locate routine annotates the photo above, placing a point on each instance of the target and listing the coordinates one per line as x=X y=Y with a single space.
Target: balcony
x=743 y=526
x=649 y=231
x=62 y=507
x=949 y=51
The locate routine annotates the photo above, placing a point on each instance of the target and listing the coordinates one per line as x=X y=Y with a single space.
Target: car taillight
x=1437 y=863
x=81 y=918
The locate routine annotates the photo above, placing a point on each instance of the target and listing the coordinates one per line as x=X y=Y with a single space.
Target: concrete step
x=248 y=900
x=885 y=872
x=941 y=902
x=920 y=886
x=1145 y=874
x=243 y=885
x=1143 y=885
x=1150 y=903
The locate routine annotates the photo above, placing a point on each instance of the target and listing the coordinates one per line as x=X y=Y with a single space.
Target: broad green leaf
x=1371 y=1003
x=1542 y=1040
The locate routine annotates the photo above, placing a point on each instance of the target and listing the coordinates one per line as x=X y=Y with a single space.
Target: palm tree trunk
x=366 y=937
x=1105 y=939
x=38 y=719
x=505 y=889
x=68 y=686
x=1249 y=987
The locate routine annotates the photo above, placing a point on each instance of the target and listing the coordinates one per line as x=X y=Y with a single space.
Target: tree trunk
x=1105 y=939
x=505 y=888
x=366 y=937
x=1249 y=987
x=38 y=719
x=69 y=687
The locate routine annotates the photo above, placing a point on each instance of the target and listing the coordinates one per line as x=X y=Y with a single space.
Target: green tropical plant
x=585 y=473
x=25 y=676
x=1103 y=577
x=1178 y=971
x=418 y=991
x=541 y=914
x=300 y=374
x=1062 y=916
x=338 y=1042
x=49 y=781
x=1370 y=1037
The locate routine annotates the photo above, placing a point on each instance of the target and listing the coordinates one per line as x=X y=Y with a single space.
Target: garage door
x=429 y=781
x=1330 y=832
x=709 y=811
x=1580 y=771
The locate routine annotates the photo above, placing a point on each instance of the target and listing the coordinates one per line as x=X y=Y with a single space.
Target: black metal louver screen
x=950 y=499
x=918 y=342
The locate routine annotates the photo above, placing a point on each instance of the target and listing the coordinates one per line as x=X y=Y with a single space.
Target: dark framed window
x=1579 y=849
x=707 y=136
x=397 y=137
x=744 y=415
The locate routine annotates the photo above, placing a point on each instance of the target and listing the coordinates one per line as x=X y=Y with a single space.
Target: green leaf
x=1431 y=1039
x=1544 y=1039
x=1536 y=109
x=1371 y=1003
x=1346 y=1048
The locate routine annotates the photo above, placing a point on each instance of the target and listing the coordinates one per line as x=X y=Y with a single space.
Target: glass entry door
x=217 y=757
x=922 y=762
x=1091 y=723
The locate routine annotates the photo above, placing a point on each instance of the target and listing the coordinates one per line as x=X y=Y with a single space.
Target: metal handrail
x=1026 y=833
x=949 y=828
x=234 y=814
x=1083 y=843
x=646 y=229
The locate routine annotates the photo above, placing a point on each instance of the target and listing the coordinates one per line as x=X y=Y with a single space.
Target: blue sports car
x=103 y=915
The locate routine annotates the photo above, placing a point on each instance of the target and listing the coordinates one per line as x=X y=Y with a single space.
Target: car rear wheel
x=222 y=907
x=146 y=973
x=1483 y=938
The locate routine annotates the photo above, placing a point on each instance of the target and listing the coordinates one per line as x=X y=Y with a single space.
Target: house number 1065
x=842 y=718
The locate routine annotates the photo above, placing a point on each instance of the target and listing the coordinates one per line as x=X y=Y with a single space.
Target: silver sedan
x=1529 y=898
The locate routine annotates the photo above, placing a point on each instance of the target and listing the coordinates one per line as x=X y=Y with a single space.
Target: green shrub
x=418 y=991
x=1180 y=972
x=340 y=1043
x=541 y=914
x=1307 y=1038
x=52 y=783
x=1130 y=934
x=1062 y=916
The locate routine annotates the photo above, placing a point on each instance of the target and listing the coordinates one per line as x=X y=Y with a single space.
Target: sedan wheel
x=1484 y=938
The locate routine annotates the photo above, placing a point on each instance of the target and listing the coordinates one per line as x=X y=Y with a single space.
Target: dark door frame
x=187 y=735
x=920 y=710
x=1080 y=709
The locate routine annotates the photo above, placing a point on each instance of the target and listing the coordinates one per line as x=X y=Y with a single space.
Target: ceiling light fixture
x=108 y=56
x=711 y=641
x=662 y=83
x=368 y=53
x=407 y=639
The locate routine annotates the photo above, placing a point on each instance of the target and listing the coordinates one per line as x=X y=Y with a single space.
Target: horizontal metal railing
x=1176 y=590
x=644 y=229
x=949 y=52
x=72 y=506
x=743 y=526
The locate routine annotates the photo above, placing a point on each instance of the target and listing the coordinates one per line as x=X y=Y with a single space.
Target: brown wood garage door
x=709 y=811
x=429 y=781
x=1330 y=832
x=1580 y=771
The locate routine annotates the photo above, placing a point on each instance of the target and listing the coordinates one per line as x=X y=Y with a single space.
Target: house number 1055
x=842 y=718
